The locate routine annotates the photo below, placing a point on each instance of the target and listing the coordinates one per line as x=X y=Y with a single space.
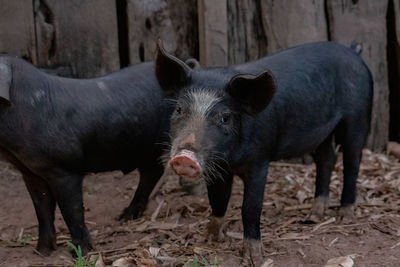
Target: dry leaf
x=268 y=263
x=147 y=262
x=147 y=258
x=235 y=235
x=199 y=250
x=122 y=262
x=157 y=211
x=301 y=252
x=346 y=261
x=294 y=236
x=301 y=196
x=99 y=262
x=330 y=220
x=154 y=251
x=393 y=148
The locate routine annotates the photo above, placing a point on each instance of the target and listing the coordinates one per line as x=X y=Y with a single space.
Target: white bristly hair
x=203 y=101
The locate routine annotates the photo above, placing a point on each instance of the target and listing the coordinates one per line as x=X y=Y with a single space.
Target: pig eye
x=178 y=110
x=225 y=118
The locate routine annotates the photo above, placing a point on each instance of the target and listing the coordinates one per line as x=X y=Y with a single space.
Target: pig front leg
x=219 y=192
x=254 y=185
x=148 y=180
x=67 y=189
x=45 y=205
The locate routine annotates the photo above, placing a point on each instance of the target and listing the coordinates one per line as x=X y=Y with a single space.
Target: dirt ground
x=172 y=231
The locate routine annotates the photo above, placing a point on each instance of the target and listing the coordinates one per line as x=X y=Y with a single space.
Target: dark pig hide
x=57 y=129
x=235 y=120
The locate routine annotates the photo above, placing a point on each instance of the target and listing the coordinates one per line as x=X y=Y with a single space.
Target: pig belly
x=299 y=141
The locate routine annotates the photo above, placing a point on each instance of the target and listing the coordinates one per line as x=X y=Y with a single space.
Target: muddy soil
x=172 y=232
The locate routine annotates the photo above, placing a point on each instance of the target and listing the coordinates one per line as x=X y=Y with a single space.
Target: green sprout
x=81 y=261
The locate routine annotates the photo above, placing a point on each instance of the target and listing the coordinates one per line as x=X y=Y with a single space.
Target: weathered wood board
x=174 y=22
x=79 y=35
x=17 y=30
x=365 y=22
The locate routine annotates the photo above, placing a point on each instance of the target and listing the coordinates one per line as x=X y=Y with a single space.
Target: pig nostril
x=175 y=164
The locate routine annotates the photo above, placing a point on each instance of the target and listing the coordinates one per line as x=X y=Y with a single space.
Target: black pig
x=56 y=129
x=235 y=120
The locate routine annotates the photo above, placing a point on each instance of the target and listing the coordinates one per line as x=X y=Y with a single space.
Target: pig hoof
x=318 y=209
x=129 y=214
x=85 y=245
x=86 y=249
x=252 y=249
x=346 y=214
x=45 y=250
x=46 y=247
x=319 y=206
x=214 y=228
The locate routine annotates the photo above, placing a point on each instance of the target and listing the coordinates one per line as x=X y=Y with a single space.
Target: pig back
x=113 y=122
x=318 y=86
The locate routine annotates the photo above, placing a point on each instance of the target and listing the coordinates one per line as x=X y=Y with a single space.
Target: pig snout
x=185 y=163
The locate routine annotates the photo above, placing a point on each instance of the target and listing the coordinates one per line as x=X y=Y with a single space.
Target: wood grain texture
x=17 y=30
x=365 y=22
x=213 y=32
x=174 y=22
x=246 y=37
x=79 y=35
x=288 y=23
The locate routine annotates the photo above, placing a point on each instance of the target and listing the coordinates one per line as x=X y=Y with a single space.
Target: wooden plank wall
x=17 y=29
x=393 y=56
x=93 y=37
x=365 y=22
x=81 y=35
x=213 y=33
x=172 y=21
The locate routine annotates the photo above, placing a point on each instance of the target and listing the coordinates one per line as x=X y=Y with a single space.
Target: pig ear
x=172 y=73
x=5 y=84
x=193 y=63
x=252 y=93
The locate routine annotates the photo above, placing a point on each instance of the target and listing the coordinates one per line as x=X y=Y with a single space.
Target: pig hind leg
x=67 y=190
x=354 y=136
x=45 y=205
x=325 y=159
x=149 y=177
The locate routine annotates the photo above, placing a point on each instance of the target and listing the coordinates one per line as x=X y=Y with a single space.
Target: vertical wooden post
x=174 y=22
x=288 y=23
x=78 y=35
x=213 y=32
x=393 y=56
x=17 y=32
x=365 y=22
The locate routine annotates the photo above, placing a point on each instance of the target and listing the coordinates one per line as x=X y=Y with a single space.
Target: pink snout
x=185 y=163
